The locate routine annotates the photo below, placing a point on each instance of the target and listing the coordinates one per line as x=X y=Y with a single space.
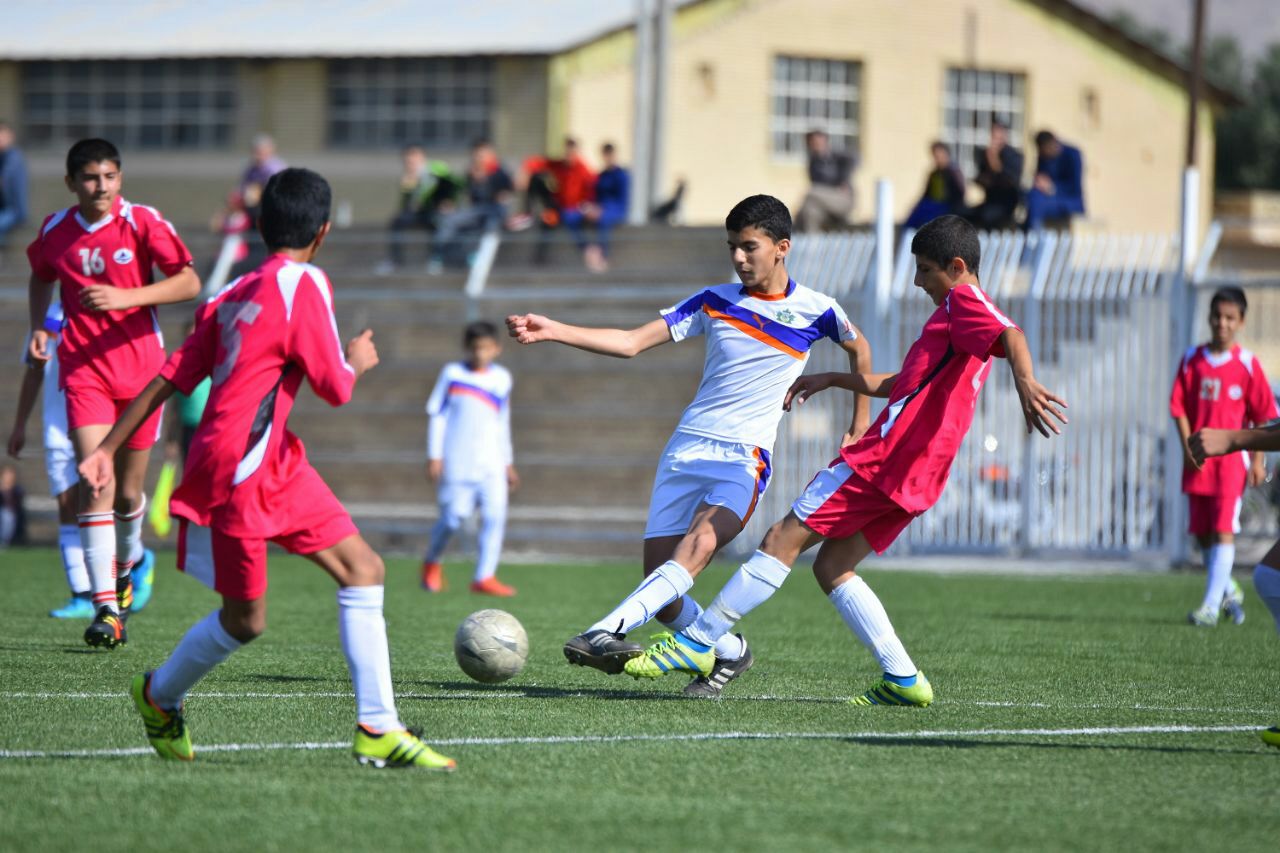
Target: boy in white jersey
x=469 y=457
x=717 y=464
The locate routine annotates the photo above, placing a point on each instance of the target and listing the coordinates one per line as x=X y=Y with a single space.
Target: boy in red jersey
x=247 y=479
x=895 y=472
x=1220 y=385
x=101 y=252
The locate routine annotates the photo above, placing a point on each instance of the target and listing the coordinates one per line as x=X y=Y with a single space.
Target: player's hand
x=805 y=387
x=853 y=436
x=362 y=355
x=1209 y=442
x=1189 y=459
x=513 y=479
x=1038 y=403
x=97 y=470
x=104 y=297
x=530 y=328
x=435 y=470
x=1258 y=470
x=38 y=348
x=17 y=439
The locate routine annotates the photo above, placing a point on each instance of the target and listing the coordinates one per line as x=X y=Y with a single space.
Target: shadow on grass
x=474 y=690
x=980 y=743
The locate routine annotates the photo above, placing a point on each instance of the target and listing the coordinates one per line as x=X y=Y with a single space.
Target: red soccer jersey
x=124 y=348
x=1225 y=391
x=257 y=338
x=908 y=451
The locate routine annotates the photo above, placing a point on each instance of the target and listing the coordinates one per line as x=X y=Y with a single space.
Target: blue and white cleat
x=77 y=607
x=143 y=575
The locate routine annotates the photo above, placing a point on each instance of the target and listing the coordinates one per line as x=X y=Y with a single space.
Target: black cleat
x=724 y=671
x=601 y=650
x=124 y=596
x=106 y=629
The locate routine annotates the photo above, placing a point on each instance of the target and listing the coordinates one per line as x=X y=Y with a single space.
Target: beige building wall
x=1128 y=119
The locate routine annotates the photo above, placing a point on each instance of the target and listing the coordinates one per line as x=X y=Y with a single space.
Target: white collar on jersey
x=1217 y=359
x=93 y=226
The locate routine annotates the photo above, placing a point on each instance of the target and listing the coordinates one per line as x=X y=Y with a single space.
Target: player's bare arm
x=1220 y=442
x=181 y=287
x=865 y=384
x=619 y=343
x=32 y=379
x=859 y=352
x=39 y=295
x=1038 y=402
x=1184 y=433
x=362 y=355
x=98 y=468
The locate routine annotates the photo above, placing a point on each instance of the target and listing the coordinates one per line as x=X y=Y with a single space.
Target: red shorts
x=1213 y=514
x=838 y=503
x=89 y=404
x=236 y=567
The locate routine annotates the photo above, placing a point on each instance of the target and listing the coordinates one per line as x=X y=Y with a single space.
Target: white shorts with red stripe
x=697 y=470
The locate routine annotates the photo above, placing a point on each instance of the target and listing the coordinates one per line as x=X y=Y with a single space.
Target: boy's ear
x=957 y=267
x=784 y=246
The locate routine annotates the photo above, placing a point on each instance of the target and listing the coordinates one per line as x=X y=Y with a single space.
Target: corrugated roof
x=76 y=29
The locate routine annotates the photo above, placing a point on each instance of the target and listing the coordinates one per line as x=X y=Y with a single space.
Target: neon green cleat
x=1203 y=617
x=672 y=653
x=165 y=728
x=885 y=692
x=400 y=748
x=1271 y=736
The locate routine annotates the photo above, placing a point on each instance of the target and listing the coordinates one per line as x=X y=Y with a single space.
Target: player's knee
x=367 y=570
x=128 y=498
x=246 y=623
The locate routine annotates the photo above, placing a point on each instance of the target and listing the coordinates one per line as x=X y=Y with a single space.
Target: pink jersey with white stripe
x=908 y=451
x=257 y=338
x=123 y=348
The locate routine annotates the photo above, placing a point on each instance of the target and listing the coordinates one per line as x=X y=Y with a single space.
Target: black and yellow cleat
x=106 y=629
x=165 y=727
x=399 y=748
x=124 y=595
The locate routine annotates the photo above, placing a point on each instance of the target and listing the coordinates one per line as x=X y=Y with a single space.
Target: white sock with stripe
x=1218 y=560
x=667 y=583
x=751 y=585
x=862 y=611
x=128 y=538
x=73 y=559
x=364 y=641
x=728 y=647
x=205 y=645
x=98 y=542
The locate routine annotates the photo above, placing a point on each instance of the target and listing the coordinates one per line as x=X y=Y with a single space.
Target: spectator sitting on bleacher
x=943 y=189
x=552 y=186
x=263 y=164
x=609 y=209
x=1000 y=175
x=488 y=194
x=829 y=202
x=1057 y=193
x=427 y=189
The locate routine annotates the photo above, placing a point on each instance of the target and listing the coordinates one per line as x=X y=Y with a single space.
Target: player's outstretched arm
x=32 y=379
x=859 y=351
x=180 y=287
x=98 y=468
x=39 y=295
x=1220 y=442
x=619 y=343
x=1038 y=402
x=866 y=384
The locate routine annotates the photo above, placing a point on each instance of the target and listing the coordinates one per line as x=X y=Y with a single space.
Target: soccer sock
x=866 y=618
x=98 y=541
x=690 y=610
x=1218 y=561
x=730 y=647
x=667 y=583
x=364 y=642
x=751 y=585
x=205 y=645
x=129 y=538
x=73 y=559
x=489 y=545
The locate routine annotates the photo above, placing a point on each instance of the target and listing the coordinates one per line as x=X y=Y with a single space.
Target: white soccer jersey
x=470 y=427
x=54 y=399
x=756 y=347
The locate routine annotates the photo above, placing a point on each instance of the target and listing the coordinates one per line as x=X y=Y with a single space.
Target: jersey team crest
x=122 y=256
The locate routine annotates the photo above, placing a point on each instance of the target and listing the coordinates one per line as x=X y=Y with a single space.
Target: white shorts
x=460 y=498
x=697 y=470
x=60 y=465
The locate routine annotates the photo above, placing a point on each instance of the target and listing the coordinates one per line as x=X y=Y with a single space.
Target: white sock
x=98 y=542
x=129 y=538
x=667 y=583
x=364 y=642
x=204 y=646
x=73 y=559
x=730 y=647
x=866 y=618
x=690 y=610
x=1218 y=561
x=751 y=585
x=489 y=544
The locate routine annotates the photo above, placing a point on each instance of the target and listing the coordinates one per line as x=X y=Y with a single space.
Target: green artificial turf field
x=1071 y=713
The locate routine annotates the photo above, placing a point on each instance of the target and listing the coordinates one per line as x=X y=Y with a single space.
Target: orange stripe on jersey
x=761 y=465
x=753 y=331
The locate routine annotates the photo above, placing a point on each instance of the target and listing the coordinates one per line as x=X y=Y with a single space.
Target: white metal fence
x=1097 y=314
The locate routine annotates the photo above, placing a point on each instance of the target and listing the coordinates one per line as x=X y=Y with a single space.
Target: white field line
x=556 y=740
x=520 y=694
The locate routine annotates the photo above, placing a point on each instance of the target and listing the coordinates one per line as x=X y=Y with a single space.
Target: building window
x=970 y=101
x=172 y=103
x=378 y=103
x=815 y=94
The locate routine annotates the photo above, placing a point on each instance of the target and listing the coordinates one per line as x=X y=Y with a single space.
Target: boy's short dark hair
x=1044 y=137
x=88 y=151
x=607 y=148
x=947 y=237
x=295 y=206
x=764 y=212
x=477 y=330
x=1234 y=295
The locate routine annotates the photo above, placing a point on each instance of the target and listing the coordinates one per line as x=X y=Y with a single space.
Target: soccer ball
x=491 y=646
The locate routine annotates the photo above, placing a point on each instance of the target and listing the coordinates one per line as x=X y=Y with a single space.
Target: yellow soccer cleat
x=399 y=748
x=886 y=692
x=672 y=653
x=1271 y=736
x=165 y=727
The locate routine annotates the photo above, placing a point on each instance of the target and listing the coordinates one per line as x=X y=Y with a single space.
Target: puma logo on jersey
x=758 y=320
